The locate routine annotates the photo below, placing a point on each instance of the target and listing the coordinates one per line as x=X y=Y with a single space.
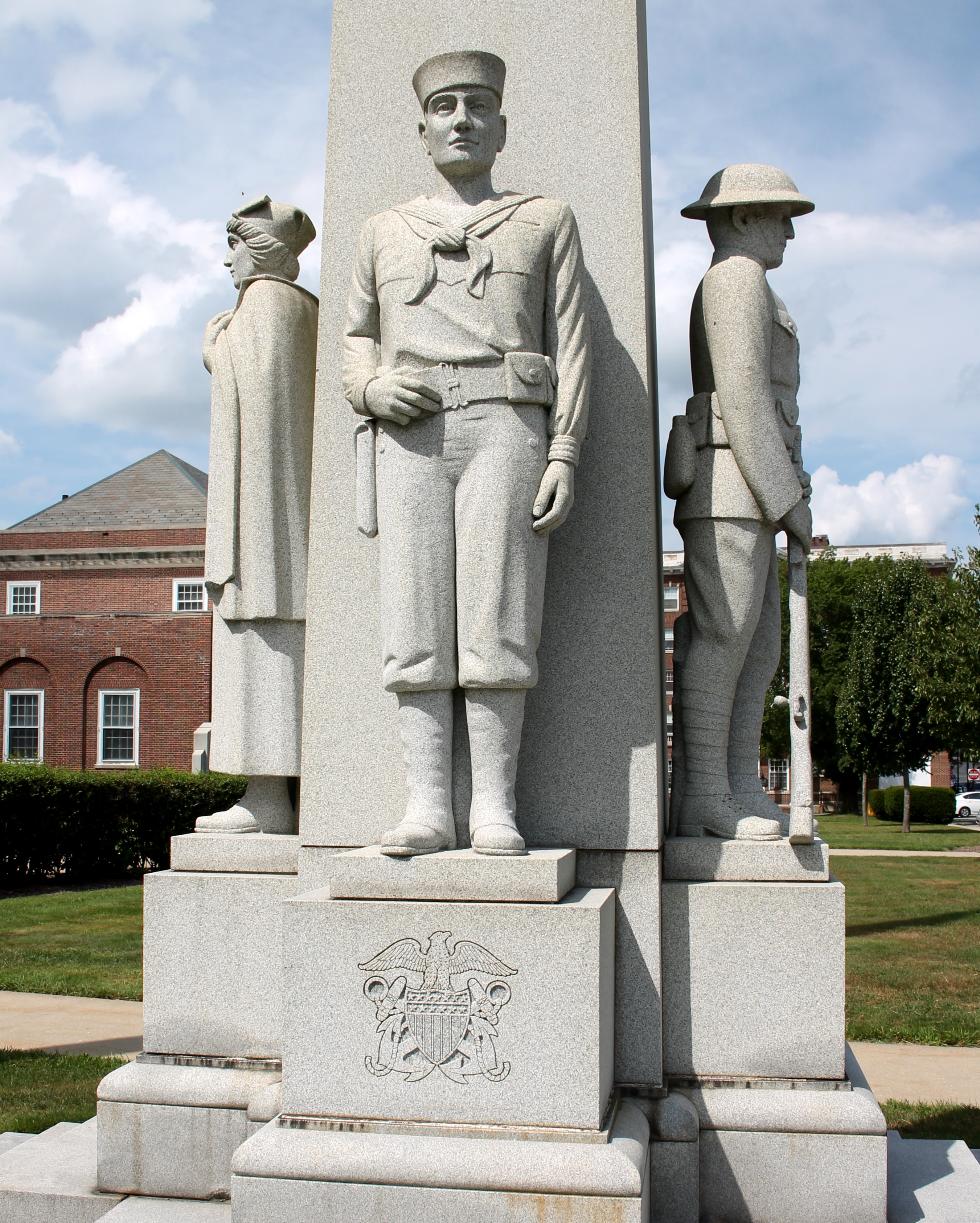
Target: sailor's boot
x=264 y=807
x=425 y=723
x=494 y=719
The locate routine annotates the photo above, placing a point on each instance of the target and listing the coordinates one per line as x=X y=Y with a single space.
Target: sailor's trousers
x=462 y=572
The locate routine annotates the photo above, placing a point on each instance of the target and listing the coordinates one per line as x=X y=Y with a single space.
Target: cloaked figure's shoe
x=753 y=800
x=721 y=815
x=425 y=723
x=494 y=718
x=264 y=807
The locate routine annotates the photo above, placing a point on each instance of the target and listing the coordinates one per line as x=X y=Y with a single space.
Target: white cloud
x=100 y=83
x=9 y=445
x=106 y=19
x=915 y=504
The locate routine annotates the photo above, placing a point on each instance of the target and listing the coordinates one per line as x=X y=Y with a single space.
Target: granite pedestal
x=212 y=1032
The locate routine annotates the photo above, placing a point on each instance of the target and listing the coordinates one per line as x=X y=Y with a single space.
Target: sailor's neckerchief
x=448 y=236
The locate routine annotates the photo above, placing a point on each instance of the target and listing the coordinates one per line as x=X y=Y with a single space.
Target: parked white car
x=968 y=806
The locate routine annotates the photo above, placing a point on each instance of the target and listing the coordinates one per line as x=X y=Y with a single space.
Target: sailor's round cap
x=456 y=69
x=284 y=222
x=748 y=183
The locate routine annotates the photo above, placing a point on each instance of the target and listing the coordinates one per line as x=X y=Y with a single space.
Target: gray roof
x=158 y=491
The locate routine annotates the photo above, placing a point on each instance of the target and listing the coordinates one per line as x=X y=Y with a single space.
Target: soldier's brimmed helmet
x=748 y=183
x=457 y=69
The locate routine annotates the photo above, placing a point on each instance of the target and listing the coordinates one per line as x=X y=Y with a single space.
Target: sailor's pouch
x=530 y=378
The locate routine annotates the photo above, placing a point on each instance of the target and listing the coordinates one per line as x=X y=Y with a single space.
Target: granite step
x=932 y=1181
x=12 y=1139
x=51 y=1178
x=168 y=1210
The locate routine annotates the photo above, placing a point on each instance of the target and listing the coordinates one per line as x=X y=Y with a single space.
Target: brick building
x=105 y=644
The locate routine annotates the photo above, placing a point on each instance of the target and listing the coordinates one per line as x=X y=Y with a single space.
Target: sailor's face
x=463 y=131
x=239 y=261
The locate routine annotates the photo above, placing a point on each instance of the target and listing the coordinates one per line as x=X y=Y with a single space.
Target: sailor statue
x=467 y=355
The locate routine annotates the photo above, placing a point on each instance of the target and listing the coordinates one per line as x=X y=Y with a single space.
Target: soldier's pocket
x=680 y=460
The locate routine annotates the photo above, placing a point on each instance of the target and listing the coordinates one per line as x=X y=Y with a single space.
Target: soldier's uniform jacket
x=736 y=452
x=508 y=279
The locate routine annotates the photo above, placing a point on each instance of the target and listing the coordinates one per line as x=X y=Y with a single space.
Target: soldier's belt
x=708 y=429
x=521 y=377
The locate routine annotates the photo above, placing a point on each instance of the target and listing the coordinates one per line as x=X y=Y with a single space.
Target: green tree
x=884 y=715
x=834 y=587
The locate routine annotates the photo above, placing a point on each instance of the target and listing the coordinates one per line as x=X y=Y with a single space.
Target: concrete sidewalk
x=926 y=1073
x=61 y=1024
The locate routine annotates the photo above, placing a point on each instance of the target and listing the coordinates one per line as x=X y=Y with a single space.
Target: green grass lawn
x=941 y=1120
x=913 y=949
x=40 y=1089
x=87 y=942
x=849 y=832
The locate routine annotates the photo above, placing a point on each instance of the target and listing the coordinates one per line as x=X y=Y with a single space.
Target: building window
x=23 y=598
x=23 y=725
x=670 y=718
x=672 y=598
x=189 y=595
x=669 y=679
x=119 y=726
x=778 y=774
x=669 y=640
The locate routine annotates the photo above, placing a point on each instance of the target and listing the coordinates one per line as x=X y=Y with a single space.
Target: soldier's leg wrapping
x=417 y=560
x=726 y=564
x=760 y=666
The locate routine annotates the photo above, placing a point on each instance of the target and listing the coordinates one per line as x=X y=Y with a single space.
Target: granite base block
x=212 y=953
x=636 y=879
x=170 y=1131
x=479 y=1013
x=674 y=1158
x=254 y=853
x=753 y=979
x=543 y=876
x=282 y=1175
x=51 y=1178
x=931 y=1181
x=169 y=1210
x=792 y=1155
x=710 y=859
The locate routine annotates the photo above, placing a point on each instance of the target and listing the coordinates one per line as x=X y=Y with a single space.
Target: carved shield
x=437 y=1020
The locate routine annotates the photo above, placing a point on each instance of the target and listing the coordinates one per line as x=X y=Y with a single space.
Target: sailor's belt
x=704 y=418
x=521 y=377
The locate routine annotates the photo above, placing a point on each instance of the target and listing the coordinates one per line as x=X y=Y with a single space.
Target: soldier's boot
x=708 y=805
x=494 y=719
x=425 y=723
x=264 y=807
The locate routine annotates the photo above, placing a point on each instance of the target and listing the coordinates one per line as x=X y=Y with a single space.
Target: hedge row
x=930 y=804
x=94 y=825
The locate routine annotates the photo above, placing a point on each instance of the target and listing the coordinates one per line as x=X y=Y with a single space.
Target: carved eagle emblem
x=436 y=963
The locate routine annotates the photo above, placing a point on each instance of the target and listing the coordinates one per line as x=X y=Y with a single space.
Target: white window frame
x=781 y=768
x=11 y=585
x=39 y=693
x=668 y=640
x=188 y=611
x=672 y=598
x=119 y=764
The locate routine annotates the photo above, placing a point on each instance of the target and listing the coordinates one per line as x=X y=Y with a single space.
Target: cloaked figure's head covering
x=276 y=234
x=748 y=183
x=457 y=69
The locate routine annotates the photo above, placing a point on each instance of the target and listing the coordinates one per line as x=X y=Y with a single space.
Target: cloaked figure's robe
x=262 y=356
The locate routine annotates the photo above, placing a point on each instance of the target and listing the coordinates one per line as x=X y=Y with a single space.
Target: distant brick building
x=105 y=644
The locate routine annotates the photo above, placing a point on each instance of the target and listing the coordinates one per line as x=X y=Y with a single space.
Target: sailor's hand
x=798 y=525
x=556 y=493
x=400 y=395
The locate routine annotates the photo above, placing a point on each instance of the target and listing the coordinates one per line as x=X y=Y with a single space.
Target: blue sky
x=128 y=131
